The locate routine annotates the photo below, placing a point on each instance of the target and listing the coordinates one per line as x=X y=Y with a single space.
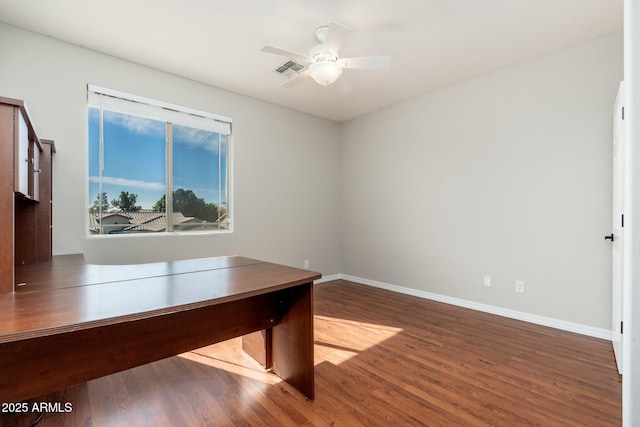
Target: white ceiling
x=432 y=43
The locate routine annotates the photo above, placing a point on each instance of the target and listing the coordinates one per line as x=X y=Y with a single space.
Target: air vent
x=290 y=69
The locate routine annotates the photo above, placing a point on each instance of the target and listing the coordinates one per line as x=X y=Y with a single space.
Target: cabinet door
x=27 y=180
x=35 y=171
x=21 y=179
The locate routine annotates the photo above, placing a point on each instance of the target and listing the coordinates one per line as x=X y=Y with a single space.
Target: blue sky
x=134 y=159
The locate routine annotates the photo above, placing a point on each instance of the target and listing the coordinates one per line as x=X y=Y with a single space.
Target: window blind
x=113 y=100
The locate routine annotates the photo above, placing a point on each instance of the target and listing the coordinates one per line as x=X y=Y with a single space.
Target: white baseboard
x=324 y=279
x=512 y=314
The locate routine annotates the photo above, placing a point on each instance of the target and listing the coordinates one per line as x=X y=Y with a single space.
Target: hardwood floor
x=382 y=359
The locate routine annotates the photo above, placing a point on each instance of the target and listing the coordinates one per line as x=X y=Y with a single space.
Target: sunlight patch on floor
x=335 y=343
x=243 y=367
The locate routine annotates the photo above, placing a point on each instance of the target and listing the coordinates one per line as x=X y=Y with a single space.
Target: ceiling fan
x=324 y=63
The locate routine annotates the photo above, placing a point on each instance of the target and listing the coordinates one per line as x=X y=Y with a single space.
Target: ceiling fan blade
x=293 y=55
x=337 y=33
x=295 y=79
x=367 y=62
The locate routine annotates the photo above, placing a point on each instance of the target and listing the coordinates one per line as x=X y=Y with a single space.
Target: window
x=155 y=167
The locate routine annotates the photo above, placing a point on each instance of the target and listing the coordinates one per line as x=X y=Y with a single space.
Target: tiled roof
x=148 y=221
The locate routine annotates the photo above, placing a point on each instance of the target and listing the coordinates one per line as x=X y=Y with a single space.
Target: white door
x=618 y=223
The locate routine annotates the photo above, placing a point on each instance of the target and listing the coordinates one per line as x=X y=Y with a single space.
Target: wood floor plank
x=382 y=359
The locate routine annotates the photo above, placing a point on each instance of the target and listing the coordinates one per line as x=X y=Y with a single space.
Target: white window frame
x=121 y=102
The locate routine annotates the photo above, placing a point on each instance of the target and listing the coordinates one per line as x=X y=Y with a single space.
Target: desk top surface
x=66 y=294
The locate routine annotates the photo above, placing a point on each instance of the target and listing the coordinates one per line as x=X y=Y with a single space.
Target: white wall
x=285 y=164
x=507 y=175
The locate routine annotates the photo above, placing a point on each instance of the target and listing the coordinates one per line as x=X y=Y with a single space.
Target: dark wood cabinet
x=25 y=192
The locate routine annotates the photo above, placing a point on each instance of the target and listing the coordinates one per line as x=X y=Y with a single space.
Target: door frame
x=617 y=236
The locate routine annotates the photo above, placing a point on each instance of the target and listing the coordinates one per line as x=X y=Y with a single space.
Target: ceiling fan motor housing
x=320 y=53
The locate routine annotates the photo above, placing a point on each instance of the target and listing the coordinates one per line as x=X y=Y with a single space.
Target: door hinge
x=621 y=327
x=622 y=113
x=622 y=221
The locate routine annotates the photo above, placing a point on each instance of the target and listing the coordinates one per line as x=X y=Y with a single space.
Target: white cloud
x=135 y=124
x=129 y=182
x=197 y=138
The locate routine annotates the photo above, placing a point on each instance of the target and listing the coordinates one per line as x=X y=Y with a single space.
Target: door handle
x=610 y=237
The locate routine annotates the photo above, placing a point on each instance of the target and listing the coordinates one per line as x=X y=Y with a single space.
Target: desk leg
x=292 y=347
x=287 y=348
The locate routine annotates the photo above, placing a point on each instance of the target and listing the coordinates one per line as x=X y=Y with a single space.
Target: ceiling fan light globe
x=325 y=72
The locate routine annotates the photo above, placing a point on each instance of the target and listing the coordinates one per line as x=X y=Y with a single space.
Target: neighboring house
x=147 y=221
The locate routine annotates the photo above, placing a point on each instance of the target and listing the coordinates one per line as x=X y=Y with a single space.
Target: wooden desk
x=72 y=322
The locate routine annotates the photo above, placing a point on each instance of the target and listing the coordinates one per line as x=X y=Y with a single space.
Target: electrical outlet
x=520 y=286
x=306 y=263
x=487 y=281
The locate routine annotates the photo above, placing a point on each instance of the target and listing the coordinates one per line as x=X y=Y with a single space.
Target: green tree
x=100 y=203
x=161 y=205
x=126 y=202
x=213 y=212
x=189 y=204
